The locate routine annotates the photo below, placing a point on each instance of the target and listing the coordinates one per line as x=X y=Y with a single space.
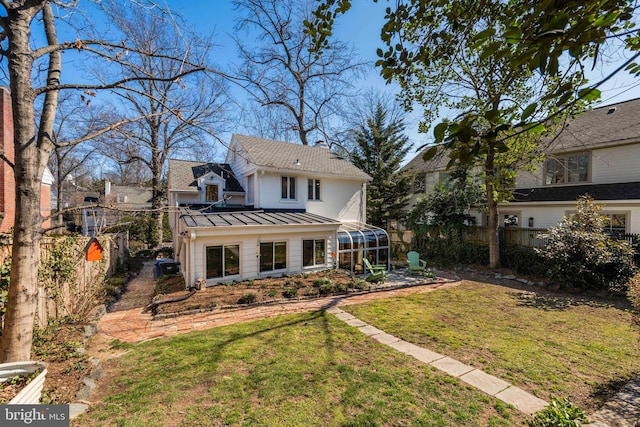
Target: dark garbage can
x=158 y=263
x=169 y=268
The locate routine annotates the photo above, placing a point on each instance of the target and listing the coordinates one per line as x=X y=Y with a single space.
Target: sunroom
x=357 y=241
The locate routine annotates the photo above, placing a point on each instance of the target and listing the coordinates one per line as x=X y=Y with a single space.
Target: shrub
x=249 y=298
x=271 y=293
x=634 y=296
x=580 y=254
x=310 y=291
x=559 y=413
x=326 y=289
x=341 y=288
x=289 y=292
x=523 y=260
x=360 y=284
x=321 y=282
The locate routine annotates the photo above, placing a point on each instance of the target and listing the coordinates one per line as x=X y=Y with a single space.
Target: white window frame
x=224 y=267
x=273 y=256
x=563 y=161
x=315 y=263
x=291 y=190
x=314 y=189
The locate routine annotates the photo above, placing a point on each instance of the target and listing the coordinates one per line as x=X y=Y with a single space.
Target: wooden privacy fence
x=78 y=291
x=529 y=237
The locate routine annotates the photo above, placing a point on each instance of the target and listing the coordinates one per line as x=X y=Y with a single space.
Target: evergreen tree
x=381 y=146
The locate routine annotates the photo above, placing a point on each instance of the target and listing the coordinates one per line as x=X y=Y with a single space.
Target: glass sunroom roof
x=358 y=240
x=365 y=233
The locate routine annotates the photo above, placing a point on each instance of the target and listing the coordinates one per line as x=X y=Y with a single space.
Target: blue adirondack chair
x=415 y=263
x=377 y=272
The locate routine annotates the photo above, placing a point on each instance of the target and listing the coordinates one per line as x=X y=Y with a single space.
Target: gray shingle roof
x=137 y=197
x=286 y=156
x=194 y=219
x=183 y=175
x=615 y=123
x=439 y=162
x=612 y=124
x=617 y=191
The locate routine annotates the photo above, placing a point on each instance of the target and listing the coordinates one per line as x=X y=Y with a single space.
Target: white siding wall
x=551 y=213
x=608 y=166
x=616 y=164
x=270 y=191
x=249 y=248
x=341 y=199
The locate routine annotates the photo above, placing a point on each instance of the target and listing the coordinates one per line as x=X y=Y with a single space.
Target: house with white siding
x=272 y=208
x=595 y=153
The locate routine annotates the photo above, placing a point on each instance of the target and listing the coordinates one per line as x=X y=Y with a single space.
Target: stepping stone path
x=493 y=386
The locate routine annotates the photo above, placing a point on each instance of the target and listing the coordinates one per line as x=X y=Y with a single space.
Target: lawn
x=297 y=370
x=548 y=344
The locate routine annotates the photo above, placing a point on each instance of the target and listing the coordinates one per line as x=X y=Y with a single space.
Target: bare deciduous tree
x=181 y=115
x=33 y=62
x=279 y=72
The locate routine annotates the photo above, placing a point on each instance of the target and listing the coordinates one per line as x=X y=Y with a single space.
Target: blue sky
x=361 y=27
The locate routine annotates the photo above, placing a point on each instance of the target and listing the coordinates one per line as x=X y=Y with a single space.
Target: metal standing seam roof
x=288 y=156
x=252 y=218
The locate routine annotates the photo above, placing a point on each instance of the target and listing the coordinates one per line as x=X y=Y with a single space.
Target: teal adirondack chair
x=377 y=272
x=415 y=263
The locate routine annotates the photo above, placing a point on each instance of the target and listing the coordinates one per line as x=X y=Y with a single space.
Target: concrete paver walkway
x=622 y=411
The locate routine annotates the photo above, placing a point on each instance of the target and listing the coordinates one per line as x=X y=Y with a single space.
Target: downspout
x=192 y=245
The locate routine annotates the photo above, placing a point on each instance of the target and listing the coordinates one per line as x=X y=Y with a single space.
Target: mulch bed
x=258 y=291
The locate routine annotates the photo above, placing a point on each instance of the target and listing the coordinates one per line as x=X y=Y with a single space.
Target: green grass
x=299 y=370
x=549 y=345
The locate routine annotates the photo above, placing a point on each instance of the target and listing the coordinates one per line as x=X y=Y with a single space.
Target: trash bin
x=169 y=267
x=158 y=263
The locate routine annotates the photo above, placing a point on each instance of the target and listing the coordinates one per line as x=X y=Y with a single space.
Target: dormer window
x=211 y=193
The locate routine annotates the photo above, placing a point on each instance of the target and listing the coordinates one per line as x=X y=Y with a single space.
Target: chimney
x=322 y=144
x=107 y=187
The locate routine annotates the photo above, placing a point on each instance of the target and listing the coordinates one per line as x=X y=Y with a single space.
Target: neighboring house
x=272 y=208
x=7 y=179
x=102 y=211
x=596 y=153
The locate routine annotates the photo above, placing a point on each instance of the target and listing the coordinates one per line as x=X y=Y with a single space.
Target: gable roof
x=437 y=163
x=608 y=125
x=614 y=124
x=136 y=196
x=184 y=174
x=268 y=153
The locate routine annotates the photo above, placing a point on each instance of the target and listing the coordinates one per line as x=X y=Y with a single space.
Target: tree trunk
x=17 y=332
x=492 y=207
